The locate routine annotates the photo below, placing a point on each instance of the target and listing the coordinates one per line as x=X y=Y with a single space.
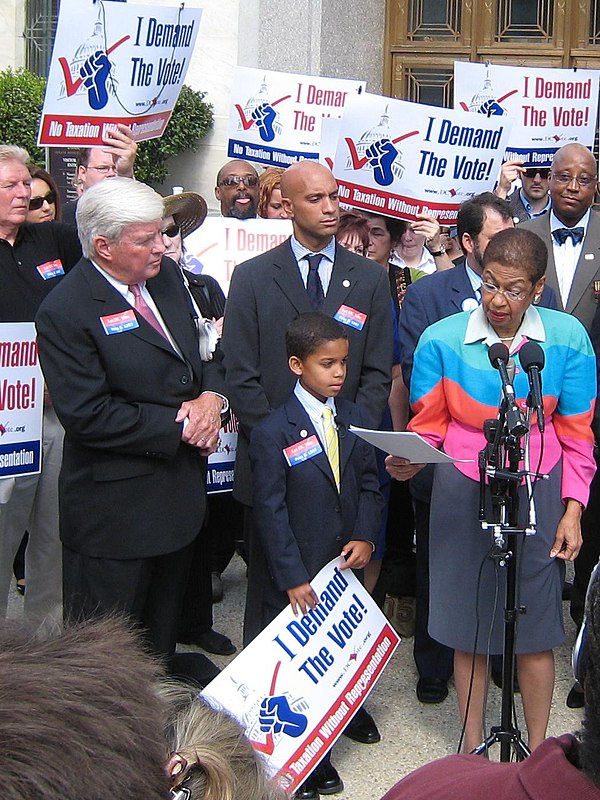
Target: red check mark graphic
x=358 y=162
x=268 y=747
x=248 y=123
x=71 y=85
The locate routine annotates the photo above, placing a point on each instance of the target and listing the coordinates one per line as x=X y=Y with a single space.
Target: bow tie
x=562 y=234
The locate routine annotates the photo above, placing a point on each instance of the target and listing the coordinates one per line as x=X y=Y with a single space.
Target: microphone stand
x=499 y=461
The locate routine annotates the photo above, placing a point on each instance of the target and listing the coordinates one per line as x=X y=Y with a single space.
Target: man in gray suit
x=269 y=291
x=306 y=273
x=572 y=233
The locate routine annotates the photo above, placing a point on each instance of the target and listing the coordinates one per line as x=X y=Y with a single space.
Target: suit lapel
x=298 y=417
x=588 y=265
x=287 y=277
x=113 y=302
x=461 y=287
x=347 y=440
x=341 y=283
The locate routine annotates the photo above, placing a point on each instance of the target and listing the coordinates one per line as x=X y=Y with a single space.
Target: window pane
x=434 y=19
x=525 y=19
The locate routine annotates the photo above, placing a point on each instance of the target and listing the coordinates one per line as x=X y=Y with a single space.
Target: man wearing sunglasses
x=237 y=190
x=532 y=199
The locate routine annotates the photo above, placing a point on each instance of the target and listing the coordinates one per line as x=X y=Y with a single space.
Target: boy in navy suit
x=316 y=490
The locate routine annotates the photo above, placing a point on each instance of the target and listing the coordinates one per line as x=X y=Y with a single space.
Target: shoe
x=217 y=587
x=193 y=668
x=363 y=729
x=325 y=779
x=432 y=690
x=576 y=698
x=497 y=680
x=21 y=586
x=211 y=641
x=306 y=792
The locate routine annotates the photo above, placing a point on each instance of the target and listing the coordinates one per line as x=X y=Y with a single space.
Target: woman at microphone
x=454 y=389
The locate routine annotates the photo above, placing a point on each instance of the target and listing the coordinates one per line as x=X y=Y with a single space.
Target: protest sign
x=21 y=400
x=275 y=117
x=220 y=465
x=115 y=62
x=299 y=683
x=548 y=107
x=403 y=159
x=222 y=242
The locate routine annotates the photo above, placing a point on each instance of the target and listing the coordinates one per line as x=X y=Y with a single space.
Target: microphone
x=533 y=359
x=498 y=355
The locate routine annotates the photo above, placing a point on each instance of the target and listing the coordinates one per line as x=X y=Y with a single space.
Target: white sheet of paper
x=406 y=445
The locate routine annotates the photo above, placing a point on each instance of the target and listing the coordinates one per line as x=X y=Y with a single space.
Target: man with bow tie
x=571 y=232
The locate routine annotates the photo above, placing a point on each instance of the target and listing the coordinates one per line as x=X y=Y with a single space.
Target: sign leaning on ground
x=115 y=62
x=299 y=683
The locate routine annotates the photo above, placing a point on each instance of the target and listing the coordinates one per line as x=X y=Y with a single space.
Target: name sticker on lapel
x=302 y=451
x=51 y=269
x=119 y=323
x=350 y=316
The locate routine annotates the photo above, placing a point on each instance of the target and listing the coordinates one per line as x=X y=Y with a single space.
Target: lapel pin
x=346 y=283
x=303 y=433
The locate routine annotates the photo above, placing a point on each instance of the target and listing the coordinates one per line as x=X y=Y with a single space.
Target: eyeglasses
x=582 y=180
x=510 y=294
x=235 y=180
x=105 y=169
x=37 y=202
x=172 y=231
x=531 y=172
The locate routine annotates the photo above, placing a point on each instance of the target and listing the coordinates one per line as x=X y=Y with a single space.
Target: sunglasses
x=235 y=180
x=172 y=231
x=37 y=202
x=531 y=172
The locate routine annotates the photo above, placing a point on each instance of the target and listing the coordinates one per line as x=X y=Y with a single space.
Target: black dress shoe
x=576 y=698
x=193 y=668
x=325 y=779
x=211 y=641
x=432 y=690
x=363 y=729
x=306 y=792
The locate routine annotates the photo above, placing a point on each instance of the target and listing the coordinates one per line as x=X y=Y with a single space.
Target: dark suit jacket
x=581 y=301
x=301 y=519
x=433 y=298
x=128 y=487
x=266 y=293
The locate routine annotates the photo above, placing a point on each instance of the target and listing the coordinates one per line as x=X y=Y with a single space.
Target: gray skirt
x=467 y=612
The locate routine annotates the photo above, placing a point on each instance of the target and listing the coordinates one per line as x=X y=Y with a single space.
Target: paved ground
x=412 y=733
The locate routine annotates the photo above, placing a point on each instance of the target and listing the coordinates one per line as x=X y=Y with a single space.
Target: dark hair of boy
x=305 y=334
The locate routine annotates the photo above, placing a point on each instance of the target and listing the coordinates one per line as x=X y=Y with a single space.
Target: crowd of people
x=145 y=360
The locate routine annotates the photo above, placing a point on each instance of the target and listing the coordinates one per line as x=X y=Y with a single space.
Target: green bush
x=21 y=100
x=190 y=121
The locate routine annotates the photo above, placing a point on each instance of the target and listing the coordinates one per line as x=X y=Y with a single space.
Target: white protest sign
x=223 y=242
x=548 y=107
x=275 y=117
x=221 y=464
x=404 y=159
x=115 y=62
x=21 y=400
x=298 y=684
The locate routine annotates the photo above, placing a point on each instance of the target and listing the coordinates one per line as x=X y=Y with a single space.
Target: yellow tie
x=331 y=444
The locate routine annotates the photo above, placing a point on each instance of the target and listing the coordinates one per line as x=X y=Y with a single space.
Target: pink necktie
x=145 y=311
